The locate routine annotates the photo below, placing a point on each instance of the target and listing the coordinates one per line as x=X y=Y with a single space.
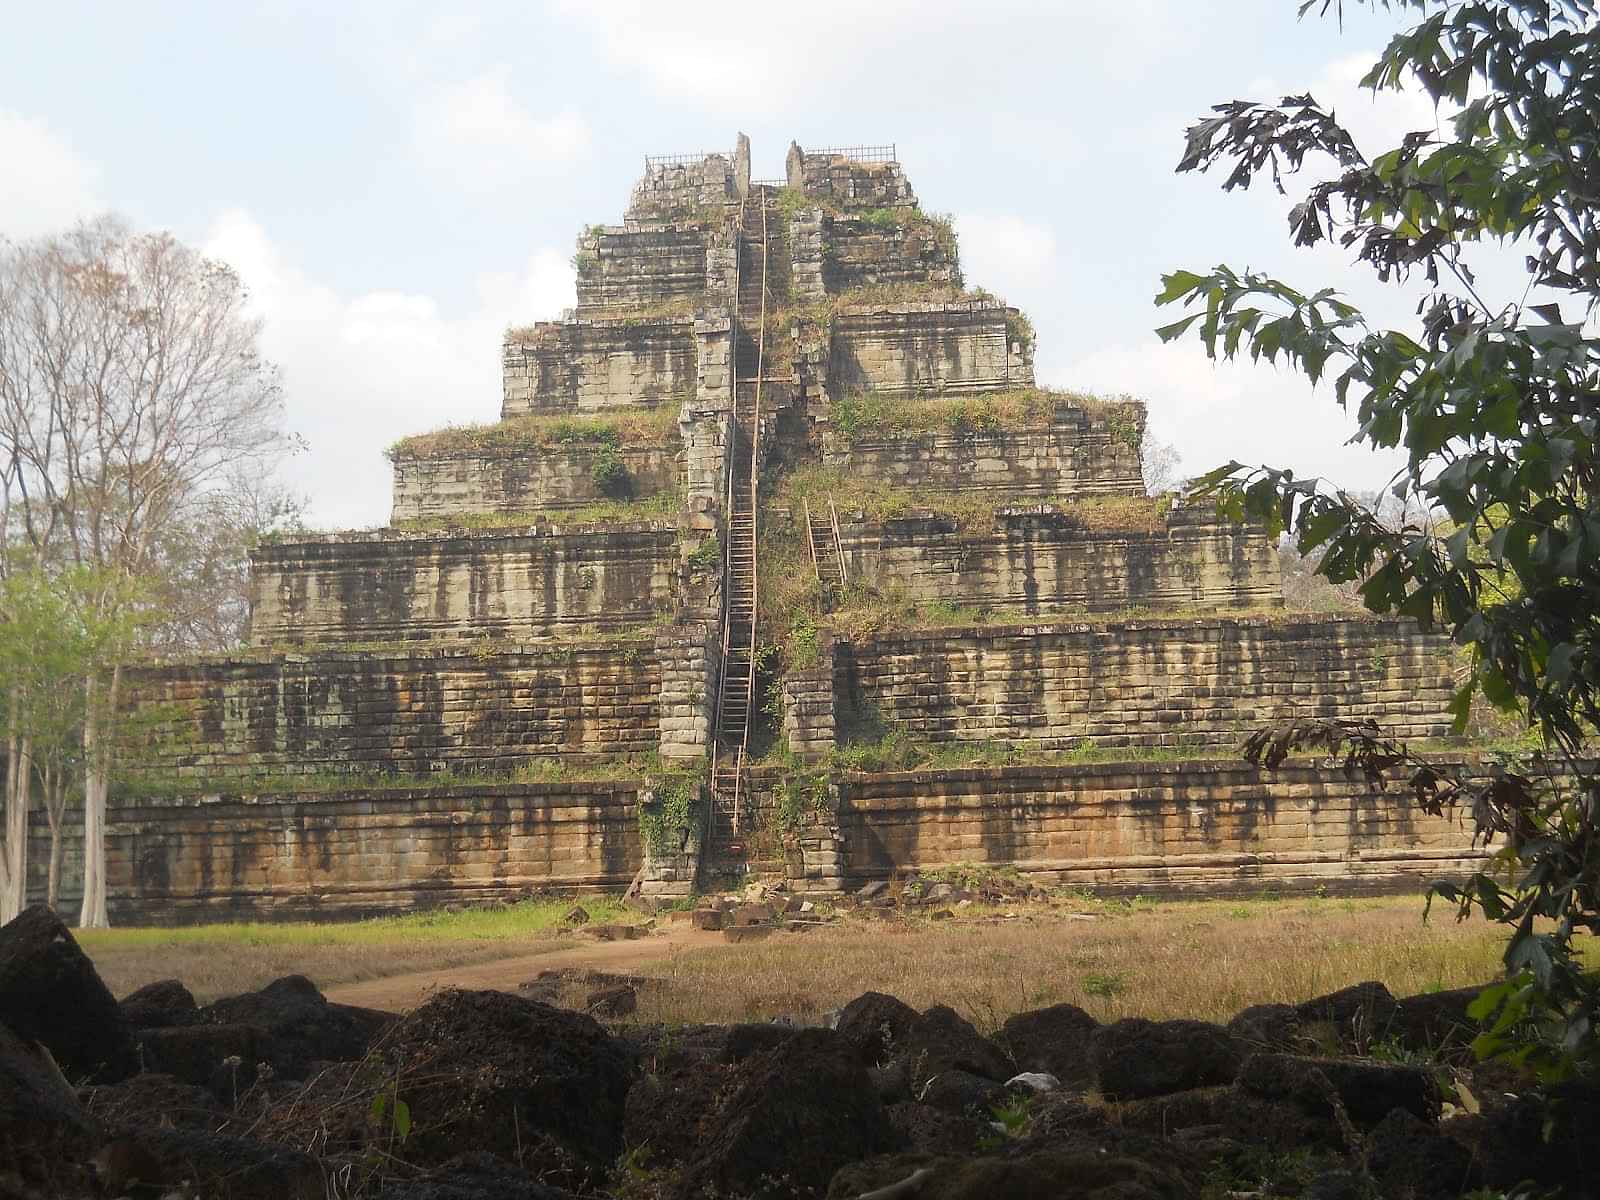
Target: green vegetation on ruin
x=860 y=415
x=874 y=500
x=652 y=425
x=563 y=769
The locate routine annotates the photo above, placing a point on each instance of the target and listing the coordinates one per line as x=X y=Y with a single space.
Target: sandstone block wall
x=586 y=365
x=305 y=855
x=807 y=255
x=809 y=709
x=863 y=255
x=960 y=346
x=681 y=188
x=690 y=656
x=1042 y=563
x=1211 y=828
x=846 y=182
x=385 y=586
x=1145 y=683
x=414 y=713
x=1077 y=455
x=520 y=480
x=641 y=266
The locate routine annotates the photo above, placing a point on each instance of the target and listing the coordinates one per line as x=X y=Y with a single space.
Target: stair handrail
x=727 y=541
x=811 y=541
x=838 y=543
x=755 y=477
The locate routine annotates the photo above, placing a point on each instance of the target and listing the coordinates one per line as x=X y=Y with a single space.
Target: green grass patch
x=655 y=425
x=869 y=415
x=513 y=921
x=554 y=770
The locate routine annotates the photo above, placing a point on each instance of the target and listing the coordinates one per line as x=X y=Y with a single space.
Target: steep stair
x=827 y=550
x=736 y=690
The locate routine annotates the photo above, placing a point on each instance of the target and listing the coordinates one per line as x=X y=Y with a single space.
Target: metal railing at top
x=863 y=154
x=680 y=160
x=771 y=183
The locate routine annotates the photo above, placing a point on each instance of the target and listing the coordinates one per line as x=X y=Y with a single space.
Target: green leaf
x=402 y=1119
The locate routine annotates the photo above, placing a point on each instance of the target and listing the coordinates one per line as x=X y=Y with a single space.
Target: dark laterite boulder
x=298 y=1026
x=215 y=1164
x=1045 y=1175
x=792 y=1117
x=51 y=994
x=535 y=1085
x=1548 y=1139
x=46 y=1138
x=665 y=1111
x=473 y=1176
x=883 y=1032
x=1355 y=1017
x=960 y=1093
x=1411 y=1160
x=1368 y=1090
x=1435 y=1022
x=159 y=1005
x=1166 y=1115
x=1054 y=1040
x=873 y=1022
x=152 y=1101
x=220 y=1058
x=1268 y=1027
x=1134 y=1058
x=929 y=1130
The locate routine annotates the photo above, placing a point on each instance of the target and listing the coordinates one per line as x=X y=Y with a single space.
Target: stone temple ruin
x=775 y=526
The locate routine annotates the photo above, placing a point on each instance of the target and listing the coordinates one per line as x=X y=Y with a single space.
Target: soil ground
x=397 y=993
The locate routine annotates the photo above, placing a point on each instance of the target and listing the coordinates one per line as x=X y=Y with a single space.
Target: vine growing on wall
x=802 y=796
x=672 y=811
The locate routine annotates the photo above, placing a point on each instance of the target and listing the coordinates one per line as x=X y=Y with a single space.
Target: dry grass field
x=223 y=960
x=1204 y=959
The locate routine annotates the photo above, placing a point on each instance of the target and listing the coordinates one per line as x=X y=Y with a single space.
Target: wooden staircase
x=827 y=549
x=736 y=689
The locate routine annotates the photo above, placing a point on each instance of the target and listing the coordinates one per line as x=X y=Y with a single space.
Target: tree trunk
x=14 y=854
x=12 y=749
x=55 y=807
x=99 y=711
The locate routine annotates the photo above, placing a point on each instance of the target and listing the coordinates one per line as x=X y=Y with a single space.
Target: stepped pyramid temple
x=777 y=562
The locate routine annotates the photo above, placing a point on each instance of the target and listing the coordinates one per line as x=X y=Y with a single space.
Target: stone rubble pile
x=481 y=1095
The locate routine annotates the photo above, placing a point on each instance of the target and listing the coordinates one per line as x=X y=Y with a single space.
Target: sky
x=397 y=183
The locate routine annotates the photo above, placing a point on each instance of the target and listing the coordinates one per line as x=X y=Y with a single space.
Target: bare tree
x=130 y=386
x=1159 y=462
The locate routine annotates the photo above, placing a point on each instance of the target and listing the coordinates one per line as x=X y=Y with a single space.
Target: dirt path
x=397 y=993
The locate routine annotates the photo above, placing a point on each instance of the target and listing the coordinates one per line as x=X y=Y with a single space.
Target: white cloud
x=764 y=59
x=479 y=133
x=1214 y=413
x=44 y=185
x=362 y=371
x=1010 y=256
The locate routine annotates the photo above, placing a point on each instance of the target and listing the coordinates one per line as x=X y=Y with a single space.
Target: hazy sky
x=397 y=183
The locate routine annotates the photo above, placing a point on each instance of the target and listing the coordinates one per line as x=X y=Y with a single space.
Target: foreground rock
x=537 y=1086
x=51 y=994
x=46 y=1138
x=1134 y=1058
x=1047 y=1175
x=792 y=1118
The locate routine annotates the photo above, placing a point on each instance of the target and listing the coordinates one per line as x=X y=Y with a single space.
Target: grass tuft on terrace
x=651 y=425
x=862 y=415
